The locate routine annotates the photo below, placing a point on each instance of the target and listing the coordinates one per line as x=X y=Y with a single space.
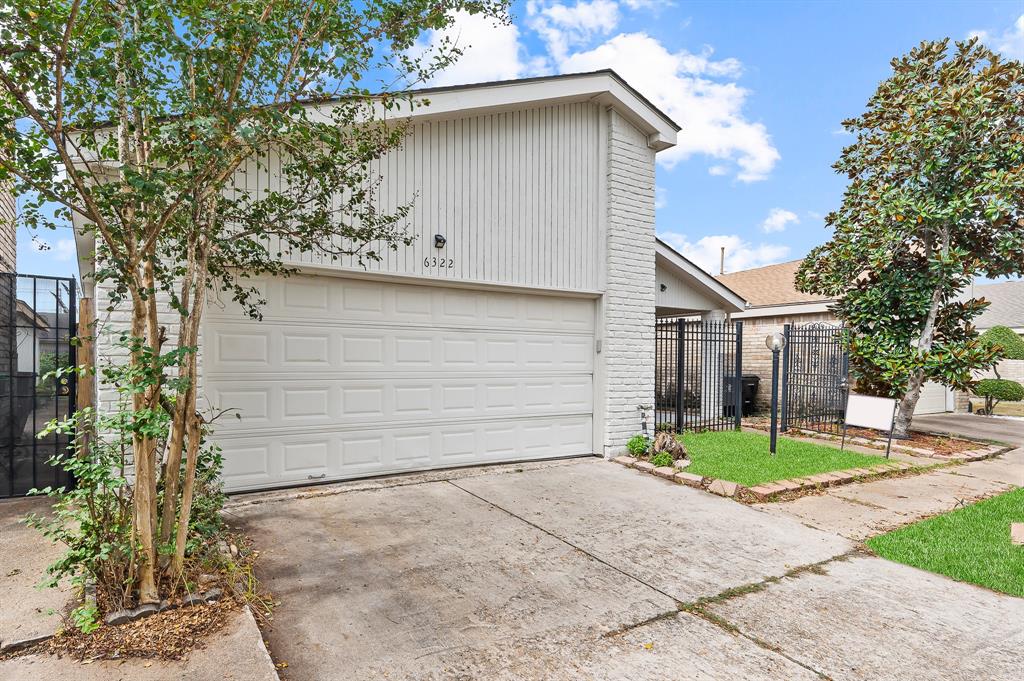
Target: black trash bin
x=748 y=393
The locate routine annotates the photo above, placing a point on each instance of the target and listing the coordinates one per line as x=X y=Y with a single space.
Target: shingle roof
x=1007 y=308
x=769 y=285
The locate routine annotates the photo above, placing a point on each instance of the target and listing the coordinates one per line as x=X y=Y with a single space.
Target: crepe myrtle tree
x=935 y=198
x=136 y=116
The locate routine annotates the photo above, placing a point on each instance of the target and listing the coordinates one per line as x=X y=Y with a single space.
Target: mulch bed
x=169 y=635
x=940 y=444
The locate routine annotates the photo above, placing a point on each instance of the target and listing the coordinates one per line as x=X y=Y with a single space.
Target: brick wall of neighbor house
x=629 y=288
x=757 y=358
x=8 y=231
x=1010 y=369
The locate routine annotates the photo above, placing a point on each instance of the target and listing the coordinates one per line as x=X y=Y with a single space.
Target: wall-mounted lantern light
x=664 y=288
x=439 y=241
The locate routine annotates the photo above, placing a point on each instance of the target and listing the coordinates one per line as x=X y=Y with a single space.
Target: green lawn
x=970 y=544
x=744 y=458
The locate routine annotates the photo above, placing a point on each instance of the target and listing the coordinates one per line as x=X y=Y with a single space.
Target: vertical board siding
x=516 y=194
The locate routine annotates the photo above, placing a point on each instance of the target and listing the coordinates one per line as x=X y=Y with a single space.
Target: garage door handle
x=316 y=477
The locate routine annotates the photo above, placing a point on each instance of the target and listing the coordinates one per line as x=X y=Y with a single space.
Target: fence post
x=739 y=375
x=680 y=357
x=785 y=376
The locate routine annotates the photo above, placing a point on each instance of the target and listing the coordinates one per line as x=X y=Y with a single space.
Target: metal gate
x=37 y=323
x=697 y=375
x=815 y=366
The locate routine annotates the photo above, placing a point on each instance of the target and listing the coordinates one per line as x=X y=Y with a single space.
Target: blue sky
x=760 y=88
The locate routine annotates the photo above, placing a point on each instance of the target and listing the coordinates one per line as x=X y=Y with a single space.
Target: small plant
x=638 y=445
x=662 y=459
x=86 y=618
x=996 y=390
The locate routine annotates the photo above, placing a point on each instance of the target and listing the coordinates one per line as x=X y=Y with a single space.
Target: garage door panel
x=343 y=378
x=318 y=299
x=300 y=458
x=236 y=346
x=272 y=403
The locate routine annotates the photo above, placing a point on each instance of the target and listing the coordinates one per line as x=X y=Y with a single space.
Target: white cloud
x=718 y=170
x=660 y=197
x=490 y=51
x=1010 y=42
x=680 y=83
x=739 y=254
x=777 y=220
x=563 y=26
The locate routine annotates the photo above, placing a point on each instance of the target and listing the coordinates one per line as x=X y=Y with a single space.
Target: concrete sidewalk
x=27 y=612
x=862 y=510
x=236 y=653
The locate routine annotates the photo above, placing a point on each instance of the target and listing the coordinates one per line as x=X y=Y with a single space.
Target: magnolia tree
x=135 y=116
x=935 y=198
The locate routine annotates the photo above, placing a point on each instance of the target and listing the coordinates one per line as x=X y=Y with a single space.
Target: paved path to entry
x=588 y=570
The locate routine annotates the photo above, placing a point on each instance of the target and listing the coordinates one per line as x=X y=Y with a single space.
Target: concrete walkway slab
x=679 y=647
x=236 y=653
x=682 y=541
x=867 y=618
x=396 y=581
x=26 y=612
x=922 y=494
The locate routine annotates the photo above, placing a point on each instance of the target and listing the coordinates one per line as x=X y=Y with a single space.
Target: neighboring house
x=8 y=231
x=774 y=302
x=528 y=333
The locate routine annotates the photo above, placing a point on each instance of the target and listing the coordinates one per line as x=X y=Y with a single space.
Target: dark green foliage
x=935 y=198
x=1010 y=344
x=996 y=390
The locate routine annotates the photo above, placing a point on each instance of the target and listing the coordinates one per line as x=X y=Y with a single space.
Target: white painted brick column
x=627 y=356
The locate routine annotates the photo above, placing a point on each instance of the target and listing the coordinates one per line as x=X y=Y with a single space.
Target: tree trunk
x=905 y=411
x=144 y=494
x=187 y=490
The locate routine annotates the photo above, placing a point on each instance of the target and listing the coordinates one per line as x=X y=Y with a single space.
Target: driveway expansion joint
x=568 y=543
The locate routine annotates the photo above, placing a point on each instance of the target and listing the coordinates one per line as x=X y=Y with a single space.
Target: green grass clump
x=743 y=457
x=971 y=544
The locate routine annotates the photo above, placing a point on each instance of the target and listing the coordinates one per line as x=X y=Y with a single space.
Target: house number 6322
x=443 y=263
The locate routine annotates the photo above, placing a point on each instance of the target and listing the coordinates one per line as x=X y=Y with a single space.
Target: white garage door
x=347 y=378
x=933 y=399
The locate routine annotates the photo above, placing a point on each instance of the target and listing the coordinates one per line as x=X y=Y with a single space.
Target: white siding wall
x=559 y=197
x=514 y=193
x=629 y=290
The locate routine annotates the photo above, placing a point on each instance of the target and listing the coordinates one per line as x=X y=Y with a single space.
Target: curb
x=15 y=646
x=772 y=491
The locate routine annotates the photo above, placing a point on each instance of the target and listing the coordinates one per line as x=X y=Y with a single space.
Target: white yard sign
x=870 y=412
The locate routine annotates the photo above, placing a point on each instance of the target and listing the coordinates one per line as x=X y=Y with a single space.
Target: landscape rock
x=665 y=471
x=625 y=460
x=690 y=479
x=145 y=610
x=118 y=617
x=213 y=595
x=193 y=599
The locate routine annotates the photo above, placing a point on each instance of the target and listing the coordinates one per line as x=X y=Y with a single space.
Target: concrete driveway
x=1000 y=429
x=587 y=570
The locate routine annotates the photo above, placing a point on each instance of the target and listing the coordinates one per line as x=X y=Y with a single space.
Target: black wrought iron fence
x=815 y=366
x=37 y=323
x=698 y=374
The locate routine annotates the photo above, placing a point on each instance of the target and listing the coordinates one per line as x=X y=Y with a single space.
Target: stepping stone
x=1017 y=533
x=625 y=460
x=644 y=466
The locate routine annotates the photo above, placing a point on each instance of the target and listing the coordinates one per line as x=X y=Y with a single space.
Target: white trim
x=785 y=309
x=695 y=276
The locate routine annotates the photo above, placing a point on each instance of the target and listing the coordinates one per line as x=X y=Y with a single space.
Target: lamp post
x=775 y=342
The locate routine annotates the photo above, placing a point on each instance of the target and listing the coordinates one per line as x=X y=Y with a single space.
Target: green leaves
x=936 y=198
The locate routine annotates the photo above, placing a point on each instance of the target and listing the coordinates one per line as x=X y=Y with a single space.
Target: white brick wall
x=628 y=305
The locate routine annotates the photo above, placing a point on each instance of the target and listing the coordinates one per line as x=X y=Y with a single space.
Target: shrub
x=638 y=445
x=1011 y=344
x=662 y=459
x=995 y=390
